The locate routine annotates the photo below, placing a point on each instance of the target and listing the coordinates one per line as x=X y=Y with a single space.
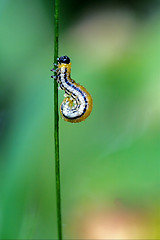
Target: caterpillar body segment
x=77 y=105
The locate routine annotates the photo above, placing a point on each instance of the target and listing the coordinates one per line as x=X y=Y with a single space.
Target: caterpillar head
x=64 y=59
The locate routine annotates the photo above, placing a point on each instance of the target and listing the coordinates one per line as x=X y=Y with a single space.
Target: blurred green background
x=110 y=164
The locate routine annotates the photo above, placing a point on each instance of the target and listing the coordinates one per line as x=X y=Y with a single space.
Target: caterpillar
x=78 y=103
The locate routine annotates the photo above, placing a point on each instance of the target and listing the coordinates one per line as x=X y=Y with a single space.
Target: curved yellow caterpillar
x=77 y=105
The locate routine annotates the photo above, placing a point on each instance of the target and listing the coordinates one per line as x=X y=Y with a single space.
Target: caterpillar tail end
x=81 y=118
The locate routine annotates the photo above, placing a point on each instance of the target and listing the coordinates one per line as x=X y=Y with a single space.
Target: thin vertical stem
x=56 y=123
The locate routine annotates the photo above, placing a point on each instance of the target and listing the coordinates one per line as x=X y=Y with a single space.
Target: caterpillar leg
x=54 y=70
x=54 y=77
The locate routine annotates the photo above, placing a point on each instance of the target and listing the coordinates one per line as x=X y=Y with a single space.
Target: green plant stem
x=56 y=123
